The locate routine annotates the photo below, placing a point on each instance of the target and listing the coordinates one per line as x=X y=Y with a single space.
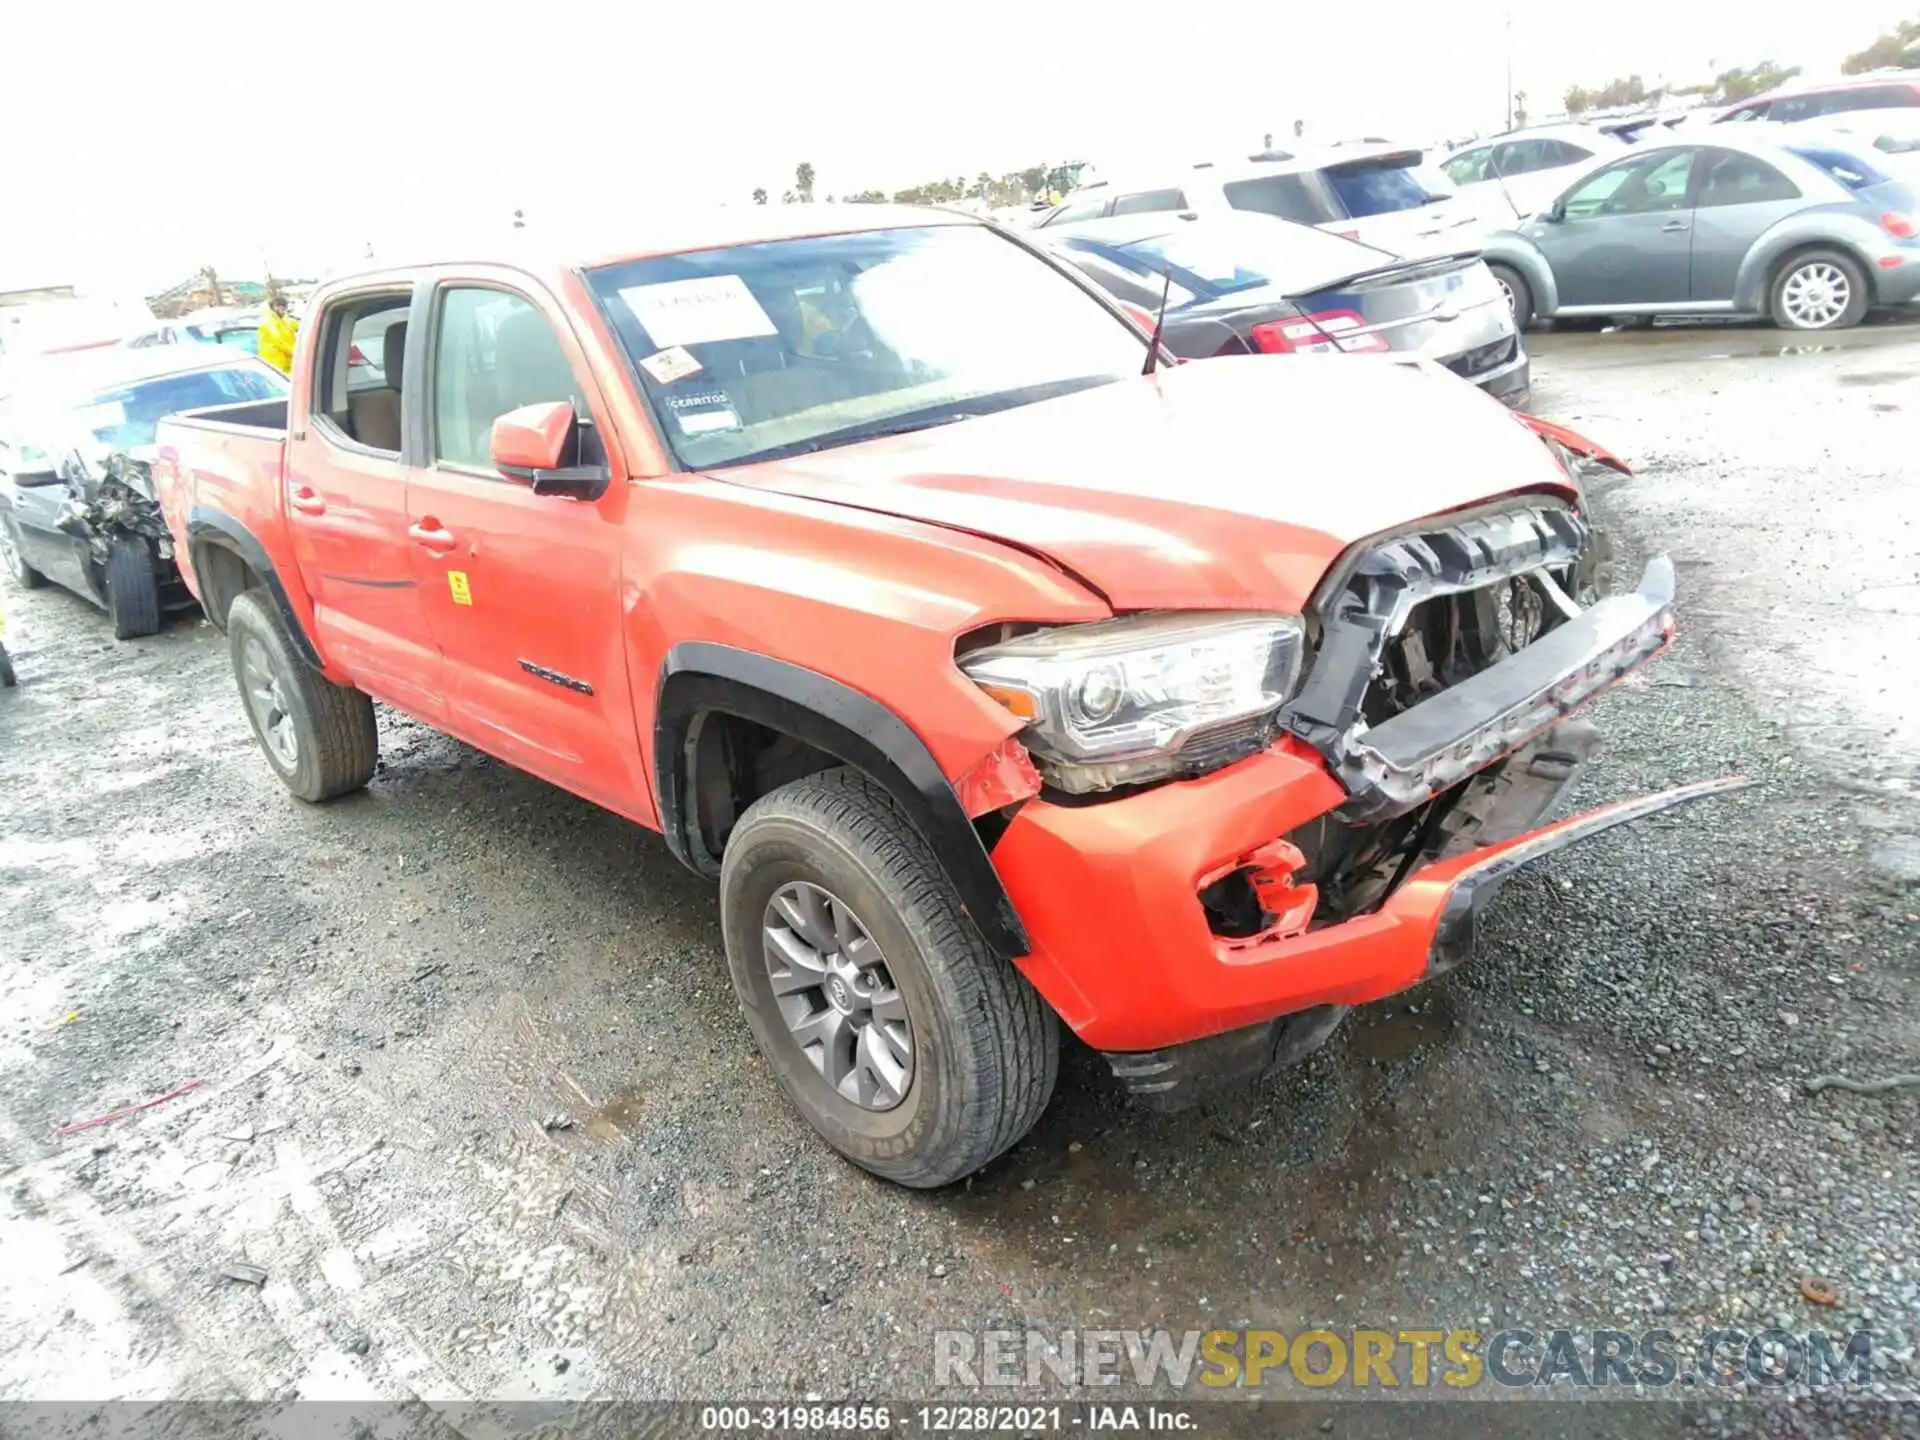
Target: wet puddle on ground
x=617 y=1117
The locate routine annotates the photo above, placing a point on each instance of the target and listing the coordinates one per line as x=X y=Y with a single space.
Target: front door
x=522 y=591
x=1624 y=235
x=346 y=479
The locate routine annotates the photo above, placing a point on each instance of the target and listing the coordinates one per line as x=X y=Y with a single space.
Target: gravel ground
x=477 y=1101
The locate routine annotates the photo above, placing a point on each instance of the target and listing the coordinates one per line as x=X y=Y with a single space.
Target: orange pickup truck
x=1001 y=671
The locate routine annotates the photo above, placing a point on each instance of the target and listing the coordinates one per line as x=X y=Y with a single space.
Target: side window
x=1148 y=201
x=1731 y=178
x=1076 y=210
x=1521 y=157
x=1291 y=197
x=1749 y=112
x=1565 y=152
x=493 y=352
x=1640 y=186
x=1467 y=167
x=360 y=369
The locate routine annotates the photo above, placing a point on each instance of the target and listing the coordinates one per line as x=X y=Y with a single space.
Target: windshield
x=1378 y=189
x=757 y=351
x=1218 y=258
x=127 y=416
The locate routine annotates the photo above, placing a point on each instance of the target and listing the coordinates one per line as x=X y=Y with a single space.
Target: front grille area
x=1448 y=638
x=1483 y=358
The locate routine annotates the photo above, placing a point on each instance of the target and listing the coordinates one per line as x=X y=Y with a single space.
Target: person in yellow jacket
x=277 y=332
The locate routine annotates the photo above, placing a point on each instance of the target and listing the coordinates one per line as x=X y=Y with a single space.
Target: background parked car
x=1521 y=172
x=1899 y=90
x=76 y=504
x=1382 y=196
x=1809 y=235
x=1237 y=284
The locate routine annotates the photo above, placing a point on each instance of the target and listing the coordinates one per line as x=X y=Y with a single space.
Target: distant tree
x=1886 y=53
x=1299 y=128
x=1519 y=108
x=759 y=196
x=1266 y=141
x=787 y=197
x=1743 y=82
x=1577 y=100
x=983 y=185
x=867 y=197
x=1625 y=90
x=803 y=180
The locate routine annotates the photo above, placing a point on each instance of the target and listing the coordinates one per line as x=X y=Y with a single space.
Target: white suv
x=1378 y=194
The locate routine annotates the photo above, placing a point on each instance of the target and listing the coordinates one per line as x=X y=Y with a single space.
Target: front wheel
x=320 y=738
x=914 y=1052
x=1519 y=294
x=133 y=590
x=1819 y=290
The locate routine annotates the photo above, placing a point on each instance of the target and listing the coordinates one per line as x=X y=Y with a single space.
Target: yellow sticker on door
x=457 y=586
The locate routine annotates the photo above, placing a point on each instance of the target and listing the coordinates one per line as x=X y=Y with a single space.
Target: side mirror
x=1555 y=213
x=541 y=445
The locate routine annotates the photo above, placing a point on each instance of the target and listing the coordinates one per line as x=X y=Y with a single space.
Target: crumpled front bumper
x=1110 y=891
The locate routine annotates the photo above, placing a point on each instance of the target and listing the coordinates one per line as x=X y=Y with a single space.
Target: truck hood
x=1231 y=483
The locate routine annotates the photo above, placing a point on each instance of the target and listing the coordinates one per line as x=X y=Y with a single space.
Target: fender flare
x=1754 y=281
x=206 y=527
x=698 y=677
x=1533 y=268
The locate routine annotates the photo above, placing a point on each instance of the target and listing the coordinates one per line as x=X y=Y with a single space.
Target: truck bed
x=223 y=465
x=248 y=417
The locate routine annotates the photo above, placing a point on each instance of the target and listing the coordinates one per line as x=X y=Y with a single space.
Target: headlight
x=1119 y=702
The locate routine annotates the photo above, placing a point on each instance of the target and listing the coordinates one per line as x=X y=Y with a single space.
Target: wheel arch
x=1753 y=286
x=700 y=680
x=229 y=559
x=1532 y=267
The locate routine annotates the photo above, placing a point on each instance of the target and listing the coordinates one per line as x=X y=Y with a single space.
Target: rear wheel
x=1519 y=294
x=320 y=738
x=912 y=1050
x=133 y=590
x=1819 y=290
x=24 y=575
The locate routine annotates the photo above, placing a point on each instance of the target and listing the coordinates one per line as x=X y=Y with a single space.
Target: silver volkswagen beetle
x=1809 y=231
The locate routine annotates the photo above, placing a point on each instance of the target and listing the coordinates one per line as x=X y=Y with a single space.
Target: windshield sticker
x=693 y=312
x=706 y=414
x=673 y=363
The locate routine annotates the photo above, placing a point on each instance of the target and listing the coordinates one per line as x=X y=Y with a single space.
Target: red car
x=997 y=683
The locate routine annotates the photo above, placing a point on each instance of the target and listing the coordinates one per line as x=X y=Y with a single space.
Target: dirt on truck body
x=998 y=683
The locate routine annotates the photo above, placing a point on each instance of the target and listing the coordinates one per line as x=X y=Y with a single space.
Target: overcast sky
x=144 y=140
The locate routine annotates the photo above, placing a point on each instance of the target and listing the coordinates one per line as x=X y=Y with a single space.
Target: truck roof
x=544 y=252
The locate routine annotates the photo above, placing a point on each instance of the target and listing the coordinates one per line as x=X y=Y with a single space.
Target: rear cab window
x=1146 y=202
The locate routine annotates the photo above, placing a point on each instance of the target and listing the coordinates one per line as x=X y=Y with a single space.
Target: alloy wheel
x=1816 y=295
x=268 y=702
x=837 y=996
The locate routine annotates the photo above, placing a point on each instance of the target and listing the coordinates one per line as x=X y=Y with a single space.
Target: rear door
x=1624 y=235
x=346 y=497
x=1737 y=199
x=522 y=591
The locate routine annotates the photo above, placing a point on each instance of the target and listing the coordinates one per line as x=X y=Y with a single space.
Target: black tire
x=335 y=741
x=7 y=678
x=133 y=590
x=985 y=1047
x=1860 y=291
x=1519 y=294
x=24 y=575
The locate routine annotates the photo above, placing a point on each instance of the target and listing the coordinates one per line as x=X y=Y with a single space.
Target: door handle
x=427 y=532
x=1672 y=225
x=308 y=501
